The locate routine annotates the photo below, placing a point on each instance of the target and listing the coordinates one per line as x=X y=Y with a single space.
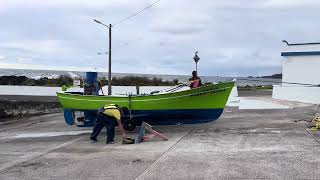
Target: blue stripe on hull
x=170 y=117
x=163 y=117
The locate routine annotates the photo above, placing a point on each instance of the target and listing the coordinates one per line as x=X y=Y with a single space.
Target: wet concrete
x=242 y=144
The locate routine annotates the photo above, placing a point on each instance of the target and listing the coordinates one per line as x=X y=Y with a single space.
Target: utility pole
x=109 y=52
x=109 y=71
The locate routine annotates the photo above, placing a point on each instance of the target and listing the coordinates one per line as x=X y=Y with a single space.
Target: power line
x=123 y=44
x=127 y=43
x=136 y=13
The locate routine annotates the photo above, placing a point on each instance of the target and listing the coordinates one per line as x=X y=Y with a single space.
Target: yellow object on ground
x=316 y=121
x=128 y=140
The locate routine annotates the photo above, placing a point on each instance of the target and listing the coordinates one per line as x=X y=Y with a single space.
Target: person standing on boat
x=108 y=116
x=195 y=81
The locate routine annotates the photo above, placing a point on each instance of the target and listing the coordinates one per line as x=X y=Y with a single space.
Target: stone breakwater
x=22 y=106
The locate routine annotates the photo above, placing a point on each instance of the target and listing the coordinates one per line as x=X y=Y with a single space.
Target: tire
x=129 y=125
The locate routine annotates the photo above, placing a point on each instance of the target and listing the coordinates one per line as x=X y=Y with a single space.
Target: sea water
x=241 y=81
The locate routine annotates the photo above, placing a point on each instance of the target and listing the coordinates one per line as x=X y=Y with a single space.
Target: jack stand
x=88 y=120
x=142 y=137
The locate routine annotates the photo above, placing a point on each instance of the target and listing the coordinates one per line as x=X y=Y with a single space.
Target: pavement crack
x=312 y=135
x=29 y=157
x=163 y=154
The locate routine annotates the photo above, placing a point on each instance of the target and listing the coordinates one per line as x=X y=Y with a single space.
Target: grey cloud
x=240 y=37
x=181 y=21
x=179 y=30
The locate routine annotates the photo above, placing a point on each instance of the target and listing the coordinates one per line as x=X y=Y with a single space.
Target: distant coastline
x=51 y=74
x=274 y=76
x=68 y=81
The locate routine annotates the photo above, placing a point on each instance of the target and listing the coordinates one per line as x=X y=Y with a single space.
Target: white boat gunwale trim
x=137 y=100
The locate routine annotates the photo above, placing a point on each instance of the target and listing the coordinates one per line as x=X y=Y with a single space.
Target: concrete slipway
x=242 y=144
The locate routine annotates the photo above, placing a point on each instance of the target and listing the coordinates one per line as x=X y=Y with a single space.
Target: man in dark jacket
x=195 y=81
x=108 y=116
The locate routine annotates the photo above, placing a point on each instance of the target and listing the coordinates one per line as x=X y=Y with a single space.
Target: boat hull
x=171 y=117
x=198 y=105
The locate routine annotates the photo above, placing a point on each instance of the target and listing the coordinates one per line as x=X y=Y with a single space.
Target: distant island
x=274 y=76
x=68 y=81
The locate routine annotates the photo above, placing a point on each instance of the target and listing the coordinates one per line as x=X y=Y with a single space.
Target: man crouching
x=108 y=116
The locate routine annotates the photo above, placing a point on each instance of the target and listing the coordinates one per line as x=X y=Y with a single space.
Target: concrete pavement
x=242 y=144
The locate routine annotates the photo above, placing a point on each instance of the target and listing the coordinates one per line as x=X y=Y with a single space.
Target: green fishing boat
x=198 y=105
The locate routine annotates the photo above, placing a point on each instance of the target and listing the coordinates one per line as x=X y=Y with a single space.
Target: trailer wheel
x=129 y=125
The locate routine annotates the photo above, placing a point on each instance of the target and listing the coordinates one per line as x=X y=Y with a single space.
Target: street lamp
x=196 y=59
x=109 y=52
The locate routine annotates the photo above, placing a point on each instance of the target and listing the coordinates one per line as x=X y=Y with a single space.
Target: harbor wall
x=51 y=91
x=297 y=93
x=22 y=106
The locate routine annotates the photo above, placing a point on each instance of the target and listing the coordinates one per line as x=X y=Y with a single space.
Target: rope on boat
x=175 y=88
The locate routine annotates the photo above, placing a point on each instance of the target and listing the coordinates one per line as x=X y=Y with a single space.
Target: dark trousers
x=104 y=121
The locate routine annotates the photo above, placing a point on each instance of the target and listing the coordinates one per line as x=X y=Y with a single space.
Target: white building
x=300 y=73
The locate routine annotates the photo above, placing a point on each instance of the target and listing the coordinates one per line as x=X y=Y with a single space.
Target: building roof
x=304 y=53
x=299 y=44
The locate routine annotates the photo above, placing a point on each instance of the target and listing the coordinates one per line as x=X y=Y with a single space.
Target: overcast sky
x=233 y=37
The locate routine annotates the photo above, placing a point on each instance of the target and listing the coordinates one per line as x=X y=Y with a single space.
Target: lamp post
x=109 y=52
x=196 y=59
